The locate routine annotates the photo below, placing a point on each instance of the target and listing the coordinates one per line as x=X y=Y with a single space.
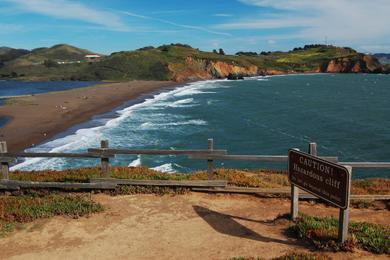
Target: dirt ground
x=191 y=226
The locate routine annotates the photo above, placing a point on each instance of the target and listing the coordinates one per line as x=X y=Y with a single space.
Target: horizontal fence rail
x=260 y=158
x=155 y=152
x=49 y=155
x=104 y=154
x=366 y=164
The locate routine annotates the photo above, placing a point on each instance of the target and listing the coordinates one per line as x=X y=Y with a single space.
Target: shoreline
x=41 y=117
x=68 y=110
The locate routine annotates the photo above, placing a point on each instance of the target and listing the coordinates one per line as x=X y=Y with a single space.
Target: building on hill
x=92 y=57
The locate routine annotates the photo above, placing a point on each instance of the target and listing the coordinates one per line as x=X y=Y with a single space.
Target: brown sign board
x=324 y=179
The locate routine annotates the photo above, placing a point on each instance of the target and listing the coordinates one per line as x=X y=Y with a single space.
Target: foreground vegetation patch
x=289 y=256
x=132 y=189
x=322 y=233
x=15 y=210
x=261 y=178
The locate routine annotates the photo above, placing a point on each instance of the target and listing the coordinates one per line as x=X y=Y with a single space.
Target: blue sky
x=234 y=25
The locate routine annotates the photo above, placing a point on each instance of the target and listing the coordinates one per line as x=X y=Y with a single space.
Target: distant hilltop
x=179 y=62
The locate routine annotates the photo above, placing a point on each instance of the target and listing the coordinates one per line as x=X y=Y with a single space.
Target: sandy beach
x=37 y=118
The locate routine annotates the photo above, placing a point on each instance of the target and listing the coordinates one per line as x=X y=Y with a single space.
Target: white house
x=92 y=57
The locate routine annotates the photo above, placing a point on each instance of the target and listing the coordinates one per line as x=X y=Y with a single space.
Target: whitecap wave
x=137 y=162
x=167 y=167
x=90 y=137
x=150 y=125
x=182 y=103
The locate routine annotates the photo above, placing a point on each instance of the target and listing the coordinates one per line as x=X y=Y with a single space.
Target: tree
x=221 y=52
x=50 y=63
x=215 y=51
x=246 y=53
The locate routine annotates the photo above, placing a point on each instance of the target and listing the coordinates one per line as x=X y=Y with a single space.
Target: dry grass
x=371 y=186
x=243 y=178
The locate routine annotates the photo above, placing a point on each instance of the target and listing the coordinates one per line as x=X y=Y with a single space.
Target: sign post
x=326 y=180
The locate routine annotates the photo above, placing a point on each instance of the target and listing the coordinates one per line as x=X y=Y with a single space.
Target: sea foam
x=85 y=138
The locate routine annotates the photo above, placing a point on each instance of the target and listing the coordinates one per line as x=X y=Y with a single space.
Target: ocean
x=347 y=115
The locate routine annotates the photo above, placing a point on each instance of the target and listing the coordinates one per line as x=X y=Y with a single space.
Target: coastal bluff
x=181 y=63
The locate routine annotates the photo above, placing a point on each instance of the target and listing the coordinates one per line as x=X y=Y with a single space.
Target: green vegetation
x=173 y=62
x=261 y=178
x=242 y=178
x=8 y=54
x=289 y=256
x=131 y=189
x=15 y=210
x=322 y=233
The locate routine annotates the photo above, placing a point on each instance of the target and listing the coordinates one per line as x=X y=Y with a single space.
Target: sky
x=234 y=25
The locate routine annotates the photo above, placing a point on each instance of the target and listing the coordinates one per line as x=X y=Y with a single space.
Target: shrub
x=28 y=208
x=322 y=233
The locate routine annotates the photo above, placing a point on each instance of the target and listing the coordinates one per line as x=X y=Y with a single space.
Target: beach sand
x=37 y=118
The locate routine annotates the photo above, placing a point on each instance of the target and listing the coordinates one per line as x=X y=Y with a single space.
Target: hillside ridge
x=181 y=62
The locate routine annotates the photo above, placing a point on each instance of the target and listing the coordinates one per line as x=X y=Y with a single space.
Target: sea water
x=11 y=88
x=347 y=115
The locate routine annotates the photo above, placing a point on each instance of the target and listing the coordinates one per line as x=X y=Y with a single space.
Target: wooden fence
x=104 y=153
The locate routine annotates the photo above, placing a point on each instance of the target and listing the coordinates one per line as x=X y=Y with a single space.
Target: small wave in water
x=130 y=118
x=136 y=162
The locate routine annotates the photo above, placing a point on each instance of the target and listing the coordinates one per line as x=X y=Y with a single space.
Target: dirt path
x=192 y=226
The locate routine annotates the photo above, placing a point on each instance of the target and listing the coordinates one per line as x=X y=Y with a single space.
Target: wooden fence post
x=4 y=165
x=313 y=149
x=104 y=161
x=294 y=201
x=344 y=217
x=210 y=166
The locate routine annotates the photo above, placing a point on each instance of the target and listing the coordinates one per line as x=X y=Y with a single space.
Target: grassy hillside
x=4 y=49
x=9 y=54
x=60 y=52
x=42 y=63
x=181 y=62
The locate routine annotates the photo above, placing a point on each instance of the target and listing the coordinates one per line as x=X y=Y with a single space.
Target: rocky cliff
x=193 y=69
x=355 y=64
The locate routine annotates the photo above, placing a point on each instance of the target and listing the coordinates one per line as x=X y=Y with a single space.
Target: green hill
x=181 y=62
x=60 y=52
x=43 y=63
x=9 y=54
x=4 y=49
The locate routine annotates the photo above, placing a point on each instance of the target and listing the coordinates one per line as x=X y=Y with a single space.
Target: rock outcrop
x=193 y=69
x=355 y=64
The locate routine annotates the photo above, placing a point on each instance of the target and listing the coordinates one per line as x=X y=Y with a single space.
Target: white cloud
x=223 y=15
x=289 y=4
x=271 y=42
x=271 y=22
x=65 y=9
x=341 y=21
x=186 y=26
x=9 y=28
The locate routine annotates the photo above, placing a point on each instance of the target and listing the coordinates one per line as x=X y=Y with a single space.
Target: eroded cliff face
x=196 y=69
x=193 y=69
x=363 y=63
